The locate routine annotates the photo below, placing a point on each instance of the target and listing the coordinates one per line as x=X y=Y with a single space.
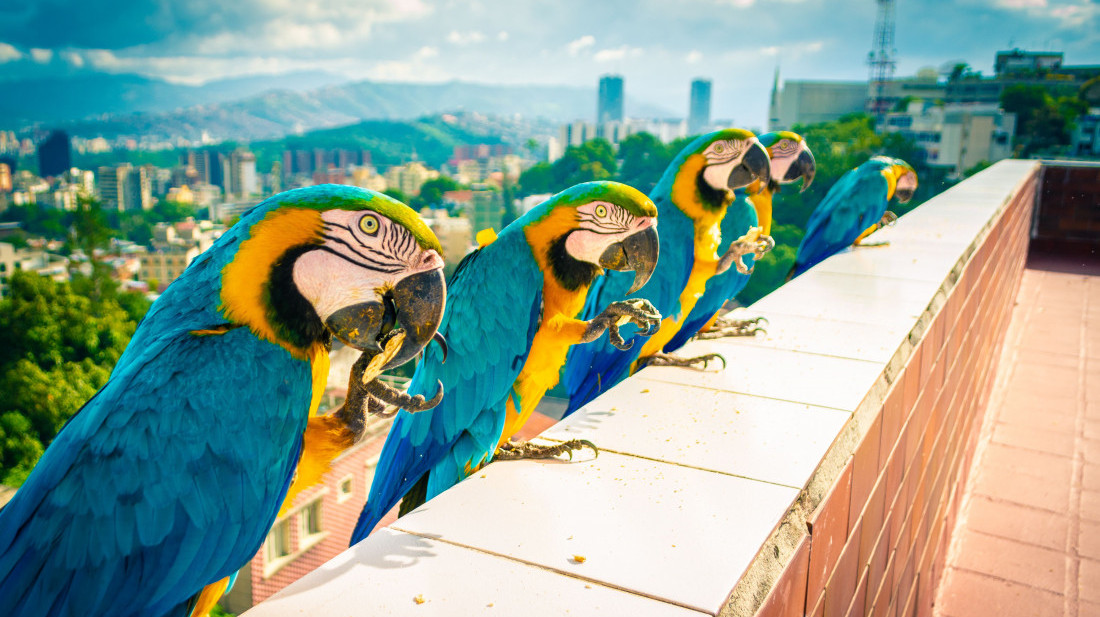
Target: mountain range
x=266 y=107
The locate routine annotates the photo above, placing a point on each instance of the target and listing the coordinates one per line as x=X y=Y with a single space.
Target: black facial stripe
x=376 y=267
x=384 y=263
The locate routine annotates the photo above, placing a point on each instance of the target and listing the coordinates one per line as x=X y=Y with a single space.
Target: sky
x=658 y=46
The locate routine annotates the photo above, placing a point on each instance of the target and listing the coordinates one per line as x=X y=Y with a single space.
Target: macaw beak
x=755 y=165
x=414 y=305
x=906 y=186
x=637 y=252
x=804 y=167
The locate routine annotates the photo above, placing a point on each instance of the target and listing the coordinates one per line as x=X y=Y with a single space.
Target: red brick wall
x=876 y=543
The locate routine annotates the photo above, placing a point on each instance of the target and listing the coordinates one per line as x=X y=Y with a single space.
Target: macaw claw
x=667 y=359
x=724 y=328
x=638 y=311
x=514 y=451
x=888 y=219
x=753 y=243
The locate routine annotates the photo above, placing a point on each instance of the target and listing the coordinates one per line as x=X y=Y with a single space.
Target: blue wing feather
x=489 y=327
x=854 y=203
x=107 y=521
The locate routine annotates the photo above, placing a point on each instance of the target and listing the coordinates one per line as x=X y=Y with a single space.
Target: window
x=277 y=545
x=309 y=520
x=346 y=489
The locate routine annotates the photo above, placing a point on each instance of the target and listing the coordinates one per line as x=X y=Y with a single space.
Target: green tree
x=431 y=192
x=56 y=350
x=592 y=160
x=165 y=211
x=537 y=179
x=644 y=159
x=1043 y=122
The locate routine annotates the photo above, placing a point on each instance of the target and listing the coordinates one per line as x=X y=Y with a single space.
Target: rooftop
x=821 y=473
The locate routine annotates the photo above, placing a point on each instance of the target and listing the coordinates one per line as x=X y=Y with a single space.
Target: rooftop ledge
x=710 y=486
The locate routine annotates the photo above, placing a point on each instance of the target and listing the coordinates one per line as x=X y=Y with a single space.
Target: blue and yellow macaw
x=167 y=481
x=853 y=209
x=791 y=160
x=512 y=317
x=691 y=197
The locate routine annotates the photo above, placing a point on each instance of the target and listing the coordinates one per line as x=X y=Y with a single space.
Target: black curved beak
x=904 y=195
x=414 y=305
x=637 y=252
x=906 y=184
x=755 y=165
x=804 y=167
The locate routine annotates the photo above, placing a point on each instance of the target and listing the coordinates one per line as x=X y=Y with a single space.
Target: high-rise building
x=54 y=155
x=125 y=187
x=699 y=111
x=240 y=174
x=610 y=105
x=5 y=178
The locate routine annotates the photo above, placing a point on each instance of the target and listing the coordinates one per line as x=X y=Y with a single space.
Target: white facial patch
x=601 y=225
x=907 y=181
x=363 y=254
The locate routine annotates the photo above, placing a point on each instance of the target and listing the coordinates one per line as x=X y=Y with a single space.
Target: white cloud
x=617 y=53
x=73 y=58
x=1021 y=4
x=9 y=53
x=502 y=36
x=1075 y=15
x=741 y=4
x=426 y=52
x=693 y=56
x=465 y=38
x=41 y=56
x=581 y=44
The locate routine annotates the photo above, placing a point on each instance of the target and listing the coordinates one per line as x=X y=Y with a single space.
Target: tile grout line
x=1003 y=579
x=552 y=569
x=1073 y=534
x=678 y=464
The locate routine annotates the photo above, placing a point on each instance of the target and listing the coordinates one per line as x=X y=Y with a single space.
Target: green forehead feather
x=770 y=139
x=703 y=141
x=340 y=197
x=626 y=197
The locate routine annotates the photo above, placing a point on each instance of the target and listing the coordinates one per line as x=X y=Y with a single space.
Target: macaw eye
x=601 y=211
x=369 y=224
x=718 y=148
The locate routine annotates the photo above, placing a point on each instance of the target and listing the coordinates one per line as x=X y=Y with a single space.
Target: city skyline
x=658 y=47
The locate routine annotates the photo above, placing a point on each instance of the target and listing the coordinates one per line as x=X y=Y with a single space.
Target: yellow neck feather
x=244 y=291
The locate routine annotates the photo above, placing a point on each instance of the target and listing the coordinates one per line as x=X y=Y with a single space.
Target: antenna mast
x=881 y=59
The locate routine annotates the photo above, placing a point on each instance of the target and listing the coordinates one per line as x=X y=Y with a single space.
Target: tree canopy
x=57 y=348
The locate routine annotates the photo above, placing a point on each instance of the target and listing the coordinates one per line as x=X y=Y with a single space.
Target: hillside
x=282 y=112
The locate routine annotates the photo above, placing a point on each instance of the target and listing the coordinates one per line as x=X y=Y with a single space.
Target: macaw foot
x=516 y=450
x=667 y=359
x=638 y=311
x=753 y=243
x=724 y=328
x=870 y=245
x=888 y=219
x=369 y=395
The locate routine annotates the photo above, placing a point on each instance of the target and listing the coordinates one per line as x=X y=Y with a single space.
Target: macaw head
x=596 y=225
x=900 y=176
x=733 y=158
x=337 y=261
x=791 y=158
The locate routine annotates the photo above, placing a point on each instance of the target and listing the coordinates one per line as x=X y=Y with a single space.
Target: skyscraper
x=699 y=111
x=610 y=106
x=54 y=155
